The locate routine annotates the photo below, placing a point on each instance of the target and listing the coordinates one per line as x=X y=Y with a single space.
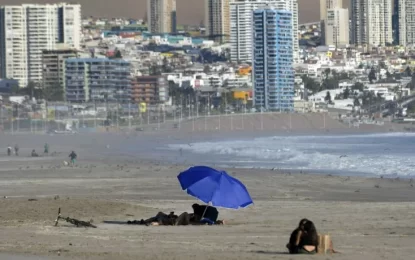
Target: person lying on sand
x=304 y=239
x=192 y=219
x=162 y=219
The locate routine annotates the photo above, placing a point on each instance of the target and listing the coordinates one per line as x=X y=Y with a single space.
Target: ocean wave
x=308 y=153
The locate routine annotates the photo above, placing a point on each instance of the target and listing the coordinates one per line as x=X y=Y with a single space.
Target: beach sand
x=367 y=218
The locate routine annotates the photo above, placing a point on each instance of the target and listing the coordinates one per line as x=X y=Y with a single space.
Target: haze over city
x=188 y=11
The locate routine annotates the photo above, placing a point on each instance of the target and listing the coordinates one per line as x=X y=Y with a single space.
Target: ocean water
x=390 y=154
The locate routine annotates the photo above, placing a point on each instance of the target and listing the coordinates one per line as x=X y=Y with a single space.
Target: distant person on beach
x=304 y=239
x=46 y=150
x=73 y=157
x=16 y=150
x=34 y=153
x=9 y=150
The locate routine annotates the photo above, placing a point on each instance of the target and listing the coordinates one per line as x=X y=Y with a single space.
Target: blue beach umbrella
x=215 y=187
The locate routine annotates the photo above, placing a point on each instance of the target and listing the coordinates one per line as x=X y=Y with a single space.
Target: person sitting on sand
x=205 y=212
x=294 y=238
x=34 y=154
x=304 y=239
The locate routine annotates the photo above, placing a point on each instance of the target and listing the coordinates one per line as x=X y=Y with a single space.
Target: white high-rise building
x=26 y=30
x=337 y=27
x=328 y=4
x=161 y=16
x=217 y=19
x=406 y=14
x=371 y=22
x=241 y=29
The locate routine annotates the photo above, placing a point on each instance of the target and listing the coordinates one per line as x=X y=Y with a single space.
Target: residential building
x=273 y=72
x=151 y=90
x=406 y=22
x=217 y=21
x=337 y=27
x=325 y=5
x=26 y=30
x=97 y=79
x=395 y=21
x=241 y=26
x=371 y=22
x=162 y=16
x=53 y=64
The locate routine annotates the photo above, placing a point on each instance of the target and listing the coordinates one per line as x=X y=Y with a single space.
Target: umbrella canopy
x=215 y=187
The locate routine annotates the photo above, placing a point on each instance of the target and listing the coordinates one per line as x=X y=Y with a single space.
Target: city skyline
x=309 y=10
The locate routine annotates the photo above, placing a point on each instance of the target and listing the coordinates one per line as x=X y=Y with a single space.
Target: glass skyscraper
x=273 y=60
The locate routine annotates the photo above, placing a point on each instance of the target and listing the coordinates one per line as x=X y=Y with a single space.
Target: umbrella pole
x=207 y=206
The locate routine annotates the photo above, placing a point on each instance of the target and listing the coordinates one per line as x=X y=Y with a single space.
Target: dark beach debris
x=32 y=199
x=76 y=222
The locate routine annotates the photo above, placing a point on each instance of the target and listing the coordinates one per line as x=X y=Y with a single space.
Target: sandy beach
x=368 y=218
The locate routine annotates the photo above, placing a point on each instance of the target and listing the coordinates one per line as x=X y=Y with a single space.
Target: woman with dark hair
x=309 y=239
x=304 y=239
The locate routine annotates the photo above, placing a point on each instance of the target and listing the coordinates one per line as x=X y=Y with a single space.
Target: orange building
x=244 y=71
x=149 y=89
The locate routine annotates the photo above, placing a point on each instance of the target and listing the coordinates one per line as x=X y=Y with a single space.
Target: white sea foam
x=375 y=154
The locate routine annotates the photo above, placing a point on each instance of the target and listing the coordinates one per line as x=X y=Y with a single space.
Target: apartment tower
x=405 y=33
x=241 y=29
x=217 y=19
x=162 y=16
x=337 y=27
x=326 y=5
x=371 y=22
x=273 y=72
x=26 y=30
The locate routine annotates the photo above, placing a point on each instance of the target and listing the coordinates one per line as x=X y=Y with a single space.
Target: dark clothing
x=72 y=156
x=206 y=211
x=162 y=219
x=307 y=240
x=292 y=248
